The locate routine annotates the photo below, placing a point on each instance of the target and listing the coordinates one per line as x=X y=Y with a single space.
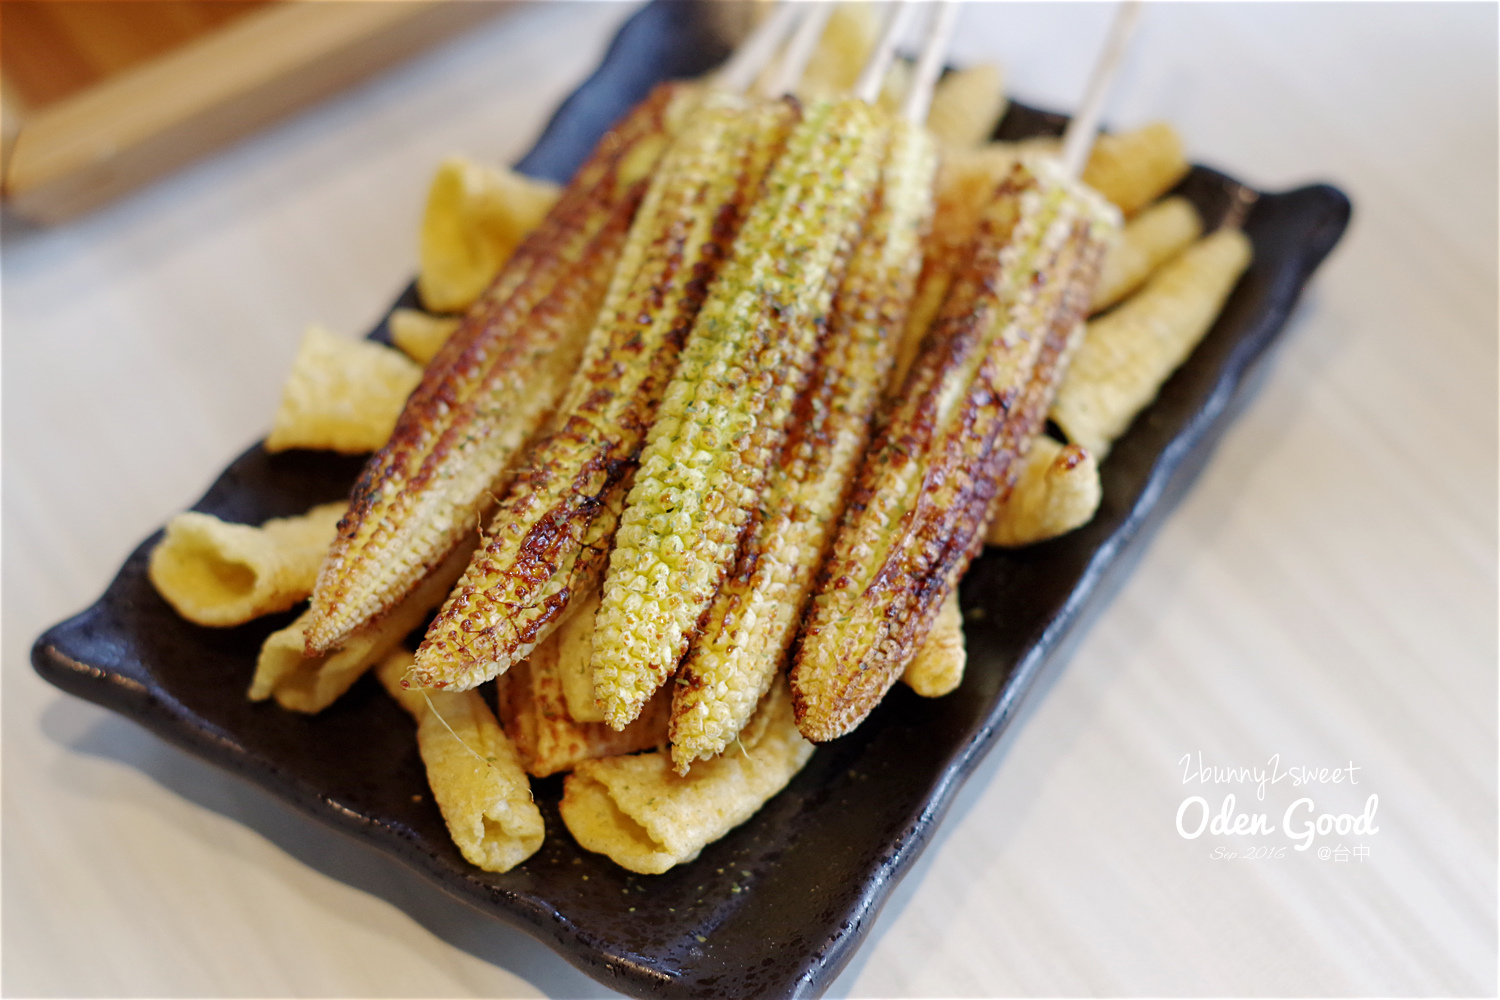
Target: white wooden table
x=1326 y=593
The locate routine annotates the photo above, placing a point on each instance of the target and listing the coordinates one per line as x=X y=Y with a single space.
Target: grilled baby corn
x=549 y=536
x=754 y=616
x=723 y=419
x=967 y=409
x=489 y=389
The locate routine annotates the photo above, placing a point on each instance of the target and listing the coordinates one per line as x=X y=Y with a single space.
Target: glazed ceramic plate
x=777 y=907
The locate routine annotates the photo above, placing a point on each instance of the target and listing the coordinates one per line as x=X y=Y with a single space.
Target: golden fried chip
x=473 y=771
x=305 y=683
x=1058 y=490
x=1148 y=241
x=342 y=395
x=421 y=335
x=220 y=574
x=646 y=817
x=1131 y=350
x=534 y=712
x=475 y=217
x=938 y=667
x=967 y=104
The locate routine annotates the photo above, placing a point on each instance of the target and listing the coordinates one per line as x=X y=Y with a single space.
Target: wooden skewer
x=1078 y=140
x=800 y=49
x=756 y=52
x=872 y=78
x=930 y=61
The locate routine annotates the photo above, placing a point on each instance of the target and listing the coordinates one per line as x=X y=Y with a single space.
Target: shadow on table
x=974 y=788
x=330 y=853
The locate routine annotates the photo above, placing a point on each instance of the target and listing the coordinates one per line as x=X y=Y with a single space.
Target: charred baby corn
x=755 y=615
x=723 y=419
x=489 y=388
x=917 y=513
x=549 y=535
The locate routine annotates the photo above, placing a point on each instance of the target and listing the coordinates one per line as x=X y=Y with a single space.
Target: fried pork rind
x=938 y=667
x=1058 y=490
x=967 y=104
x=221 y=574
x=473 y=770
x=420 y=334
x=534 y=711
x=304 y=683
x=647 y=818
x=342 y=395
x=1130 y=351
x=1148 y=241
x=476 y=215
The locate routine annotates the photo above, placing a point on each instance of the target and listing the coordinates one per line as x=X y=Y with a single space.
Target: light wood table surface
x=1327 y=592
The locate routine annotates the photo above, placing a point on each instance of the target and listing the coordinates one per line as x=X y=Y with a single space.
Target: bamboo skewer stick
x=872 y=78
x=1078 y=140
x=930 y=62
x=757 y=51
x=800 y=49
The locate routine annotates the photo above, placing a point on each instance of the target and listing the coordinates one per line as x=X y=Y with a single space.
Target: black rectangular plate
x=777 y=907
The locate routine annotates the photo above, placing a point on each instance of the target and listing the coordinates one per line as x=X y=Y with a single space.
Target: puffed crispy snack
x=304 y=683
x=473 y=770
x=1131 y=169
x=1131 y=350
x=221 y=574
x=1058 y=490
x=645 y=817
x=420 y=334
x=938 y=667
x=476 y=215
x=967 y=104
x=1148 y=241
x=342 y=395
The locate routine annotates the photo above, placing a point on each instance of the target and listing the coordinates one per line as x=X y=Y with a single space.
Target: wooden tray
x=101 y=97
